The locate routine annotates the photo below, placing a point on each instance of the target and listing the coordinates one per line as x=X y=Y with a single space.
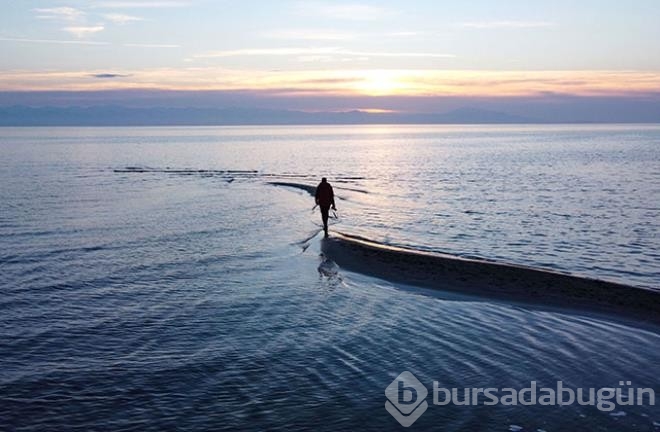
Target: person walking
x=325 y=198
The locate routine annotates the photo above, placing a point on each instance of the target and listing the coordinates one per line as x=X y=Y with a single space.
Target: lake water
x=140 y=293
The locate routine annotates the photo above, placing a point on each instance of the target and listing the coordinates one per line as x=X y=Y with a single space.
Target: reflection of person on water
x=325 y=197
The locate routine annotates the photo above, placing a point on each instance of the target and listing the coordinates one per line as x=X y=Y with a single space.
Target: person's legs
x=324 y=216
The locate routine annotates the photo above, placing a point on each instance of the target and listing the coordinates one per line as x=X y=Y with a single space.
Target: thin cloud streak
x=311 y=34
x=327 y=51
x=108 y=75
x=141 y=4
x=334 y=35
x=83 y=31
x=397 y=54
x=146 y=45
x=506 y=24
x=53 y=41
x=84 y=42
x=121 y=19
x=59 y=13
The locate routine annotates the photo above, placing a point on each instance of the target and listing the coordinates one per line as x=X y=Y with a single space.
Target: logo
x=406 y=399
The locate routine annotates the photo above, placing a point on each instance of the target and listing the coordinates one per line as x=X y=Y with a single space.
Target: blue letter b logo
x=406 y=398
x=406 y=395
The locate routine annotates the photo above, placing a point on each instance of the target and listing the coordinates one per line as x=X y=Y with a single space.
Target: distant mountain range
x=114 y=115
x=123 y=116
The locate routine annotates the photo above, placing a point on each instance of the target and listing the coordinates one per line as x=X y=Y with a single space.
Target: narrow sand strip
x=491 y=279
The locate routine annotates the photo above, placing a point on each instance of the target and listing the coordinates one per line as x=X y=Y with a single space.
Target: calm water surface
x=153 y=300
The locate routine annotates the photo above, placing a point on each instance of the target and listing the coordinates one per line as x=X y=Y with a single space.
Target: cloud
x=121 y=19
x=266 y=52
x=315 y=59
x=342 y=11
x=145 y=45
x=83 y=42
x=351 y=83
x=310 y=34
x=83 y=31
x=324 y=51
x=53 y=41
x=398 y=54
x=59 y=13
x=108 y=75
x=335 y=35
x=141 y=4
x=506 y=24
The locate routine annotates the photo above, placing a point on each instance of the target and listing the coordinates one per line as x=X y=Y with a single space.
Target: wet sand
x=491 y=279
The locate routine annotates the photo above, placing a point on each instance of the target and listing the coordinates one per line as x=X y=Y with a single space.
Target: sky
x=389 y=55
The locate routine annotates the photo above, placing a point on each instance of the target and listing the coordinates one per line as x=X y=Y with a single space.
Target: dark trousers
x=325 y=210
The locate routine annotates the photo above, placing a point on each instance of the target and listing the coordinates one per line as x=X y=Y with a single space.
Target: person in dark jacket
x=325 y=198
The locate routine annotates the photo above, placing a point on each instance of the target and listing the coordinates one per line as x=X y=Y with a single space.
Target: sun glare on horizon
x=381 y=83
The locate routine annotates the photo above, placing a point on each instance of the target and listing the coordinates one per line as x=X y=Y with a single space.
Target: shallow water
x=151 y=300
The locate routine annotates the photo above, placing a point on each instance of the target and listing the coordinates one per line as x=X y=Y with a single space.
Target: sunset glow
x=322 y=49
x=352 y=82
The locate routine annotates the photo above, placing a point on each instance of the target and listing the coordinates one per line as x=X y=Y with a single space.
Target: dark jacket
x=325 y=196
